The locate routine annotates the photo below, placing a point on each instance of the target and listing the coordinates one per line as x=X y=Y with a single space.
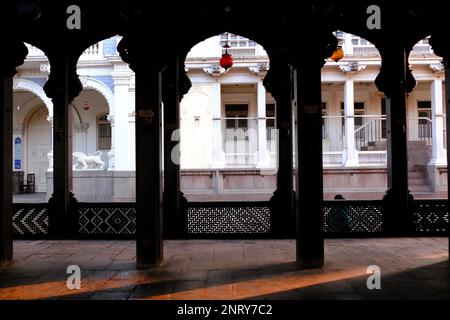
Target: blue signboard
x=18 y=153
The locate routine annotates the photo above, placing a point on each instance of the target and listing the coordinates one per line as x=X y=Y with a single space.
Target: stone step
x=416 y=175
x=421 y=188
x=418 y=182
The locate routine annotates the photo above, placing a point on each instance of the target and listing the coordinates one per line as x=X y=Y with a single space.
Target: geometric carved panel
x=243 y=219
x=431 y=216
x=30 y=219
x=352 y=216
x=107 y=220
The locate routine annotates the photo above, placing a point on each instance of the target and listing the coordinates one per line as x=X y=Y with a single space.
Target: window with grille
x=236 y=116
x=103 y=133
x=235 y=41
x=358 y=112
x=358 y=41
x=270 y=121
x=424 y=119
x=239 y=46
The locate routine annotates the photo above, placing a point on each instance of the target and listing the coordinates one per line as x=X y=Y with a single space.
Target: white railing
x=420 y=129
x=34 y=52
x=240 y=140
x=333 y=133
x=371 y=133
x=94 y=52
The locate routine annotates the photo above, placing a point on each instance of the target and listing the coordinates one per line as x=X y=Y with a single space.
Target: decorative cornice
x=352 y=67
x=18 y=129
x=81 y=127
x=83 y=80
x=437 y=67
x=214 y=70
x=110 y=118
x=44 y=68
x=260 y=69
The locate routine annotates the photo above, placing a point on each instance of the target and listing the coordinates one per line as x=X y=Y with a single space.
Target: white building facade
x=228 y=124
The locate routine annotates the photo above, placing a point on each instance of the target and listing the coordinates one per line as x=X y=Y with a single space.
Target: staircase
x=375 y=146
x=419 y=154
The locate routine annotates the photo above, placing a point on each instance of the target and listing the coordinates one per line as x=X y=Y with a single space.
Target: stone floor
x=411 y=268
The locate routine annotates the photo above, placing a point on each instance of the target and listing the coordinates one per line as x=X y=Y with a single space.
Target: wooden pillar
x=447 y=132
x=6 y=120
x=14 y=57
x=309 y=195
x=62 y=87
x=395 y=80
x=279 y=83
x=149 y=211
x=175 y=85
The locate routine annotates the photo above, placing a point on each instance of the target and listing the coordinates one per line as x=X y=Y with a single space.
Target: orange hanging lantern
x=226 y=61
x=338 y=54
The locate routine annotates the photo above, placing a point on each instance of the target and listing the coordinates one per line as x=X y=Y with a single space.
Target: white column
x=263 y=154
x=333 y=125
x=121 y=147
x=347 y=46
x=80 y=130
x=218 y=153
x=131 y=132
x=50 y=153
x=350 y=152
x=439 y=156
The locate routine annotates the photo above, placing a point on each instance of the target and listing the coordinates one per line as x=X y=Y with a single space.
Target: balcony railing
x=94 y=52
x=240 y=140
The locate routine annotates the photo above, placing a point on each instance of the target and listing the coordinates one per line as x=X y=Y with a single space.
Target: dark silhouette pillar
x=396 y=81
x=62 y=87
x=13 y=56
x=175 y=85
x=279 y=83
x=309 y=195
x=149 y=206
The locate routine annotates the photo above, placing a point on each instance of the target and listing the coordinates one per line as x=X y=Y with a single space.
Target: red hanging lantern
x=86 y=106
x=226 y=61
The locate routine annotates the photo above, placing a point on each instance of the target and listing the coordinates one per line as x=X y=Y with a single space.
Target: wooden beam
x=6 y=212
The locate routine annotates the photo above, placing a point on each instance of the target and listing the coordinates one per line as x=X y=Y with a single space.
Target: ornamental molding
x=352 y=67
x=260 y=69
x=437 y=67
x=110 y=118
x=214 y=70
x=81 y=127
x=44 y=68
x=18 y=129
x=83 y=80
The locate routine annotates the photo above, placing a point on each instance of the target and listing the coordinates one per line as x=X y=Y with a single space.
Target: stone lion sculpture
x=84 y=161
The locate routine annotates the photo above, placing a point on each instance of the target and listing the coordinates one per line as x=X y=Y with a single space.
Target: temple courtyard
x=411 y=268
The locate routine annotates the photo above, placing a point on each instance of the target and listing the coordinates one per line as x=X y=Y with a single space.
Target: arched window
x=103 y=132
